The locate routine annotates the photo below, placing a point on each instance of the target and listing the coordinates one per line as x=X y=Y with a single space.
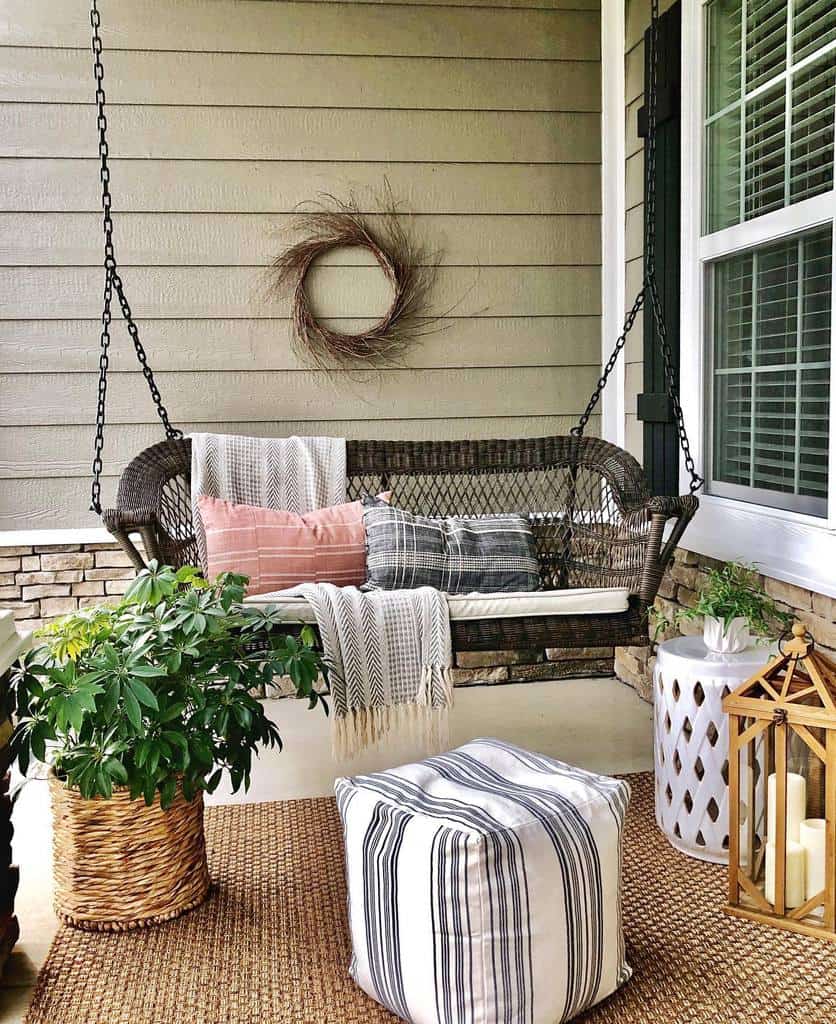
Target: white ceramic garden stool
x=691 y=741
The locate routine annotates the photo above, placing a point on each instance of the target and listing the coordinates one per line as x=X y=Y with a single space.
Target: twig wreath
x=407 y=265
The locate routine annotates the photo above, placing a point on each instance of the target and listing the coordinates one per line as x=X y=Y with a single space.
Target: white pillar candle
x=796 y=805
x=794 y=880
x=813 y=839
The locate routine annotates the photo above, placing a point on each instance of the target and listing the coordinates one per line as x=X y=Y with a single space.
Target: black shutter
x=661 y=447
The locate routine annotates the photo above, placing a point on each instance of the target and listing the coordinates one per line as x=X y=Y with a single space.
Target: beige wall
x=224 y=115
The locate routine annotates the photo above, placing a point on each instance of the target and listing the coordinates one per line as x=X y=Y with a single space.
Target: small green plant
x=155 y=692
x=731 y=591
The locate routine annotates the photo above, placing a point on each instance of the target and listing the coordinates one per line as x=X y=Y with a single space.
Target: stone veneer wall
x=40 y=584
x=43 y=583
x=683 y=580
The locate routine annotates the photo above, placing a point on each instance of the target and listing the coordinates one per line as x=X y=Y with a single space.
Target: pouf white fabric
x=485 y=885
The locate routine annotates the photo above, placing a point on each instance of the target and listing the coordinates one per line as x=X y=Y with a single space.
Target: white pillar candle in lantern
x=796 y=805
x=813 y=837
x=794 y=891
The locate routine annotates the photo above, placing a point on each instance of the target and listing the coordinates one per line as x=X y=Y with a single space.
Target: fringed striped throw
x=389 y=656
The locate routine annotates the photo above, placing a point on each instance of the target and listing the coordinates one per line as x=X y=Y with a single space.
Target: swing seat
x=601 y=537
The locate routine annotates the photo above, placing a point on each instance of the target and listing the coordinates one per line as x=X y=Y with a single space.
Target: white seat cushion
x=485 y=885
x=485 y=606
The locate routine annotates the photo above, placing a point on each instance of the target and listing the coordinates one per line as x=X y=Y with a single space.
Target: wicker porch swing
x=600 y=533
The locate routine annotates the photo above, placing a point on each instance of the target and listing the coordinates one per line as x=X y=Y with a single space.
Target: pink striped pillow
x=278 y=549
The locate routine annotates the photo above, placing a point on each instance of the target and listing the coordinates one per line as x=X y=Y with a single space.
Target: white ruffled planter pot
x=720 y=640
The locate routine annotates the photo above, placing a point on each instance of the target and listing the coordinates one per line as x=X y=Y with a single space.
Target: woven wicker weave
x=594 y=520
x=121 y=865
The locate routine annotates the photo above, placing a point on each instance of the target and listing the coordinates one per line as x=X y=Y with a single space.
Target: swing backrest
x=586 y=499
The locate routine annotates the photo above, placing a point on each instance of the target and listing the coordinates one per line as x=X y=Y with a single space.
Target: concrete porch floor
x=599 y=724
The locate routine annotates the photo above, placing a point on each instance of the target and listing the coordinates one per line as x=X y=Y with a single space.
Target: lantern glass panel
x=802 y=822
x=753 y=761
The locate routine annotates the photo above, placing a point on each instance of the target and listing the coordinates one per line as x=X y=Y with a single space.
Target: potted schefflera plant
x=735 y=609
x=138 y=709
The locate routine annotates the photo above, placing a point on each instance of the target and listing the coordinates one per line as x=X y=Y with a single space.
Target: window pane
x=817 y=300
x=723 y=159
x=723 y=38
x=773 y=462
x=813 y=99
x=771 y=372
x=777 y=305
x=764 y=152
x=814 y=26
x=733 y=428
x=766 y=41
x=780 y=94
x=733 y=328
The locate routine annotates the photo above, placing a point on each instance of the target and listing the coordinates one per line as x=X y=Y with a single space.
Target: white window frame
x=788 y=545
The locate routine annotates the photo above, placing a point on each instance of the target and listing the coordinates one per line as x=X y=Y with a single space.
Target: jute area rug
x=270 y=946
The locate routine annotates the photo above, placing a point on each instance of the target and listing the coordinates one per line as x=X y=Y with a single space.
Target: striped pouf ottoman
x=484 y=885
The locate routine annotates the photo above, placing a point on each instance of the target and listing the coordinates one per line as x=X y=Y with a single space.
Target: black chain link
x=649 y=289
x=113 y=283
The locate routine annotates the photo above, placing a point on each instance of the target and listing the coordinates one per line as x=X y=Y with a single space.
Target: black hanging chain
x=113 y=283
x=649 y=290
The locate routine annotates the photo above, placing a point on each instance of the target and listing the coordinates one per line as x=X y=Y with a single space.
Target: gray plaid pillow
x=488 y=554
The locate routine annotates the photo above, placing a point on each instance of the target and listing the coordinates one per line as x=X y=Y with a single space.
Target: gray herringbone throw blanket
x=298 y=474
x=389 y=656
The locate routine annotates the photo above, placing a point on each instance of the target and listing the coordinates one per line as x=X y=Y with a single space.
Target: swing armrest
x=154 y=482
x=660 y=511
x=122 y=522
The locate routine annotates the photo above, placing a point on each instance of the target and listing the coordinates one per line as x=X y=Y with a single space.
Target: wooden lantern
x=782 y=792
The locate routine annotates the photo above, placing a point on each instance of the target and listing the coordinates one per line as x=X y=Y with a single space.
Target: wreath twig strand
x=409 y=268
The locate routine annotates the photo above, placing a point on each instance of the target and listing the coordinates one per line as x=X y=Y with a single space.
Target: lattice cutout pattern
x=691 y=744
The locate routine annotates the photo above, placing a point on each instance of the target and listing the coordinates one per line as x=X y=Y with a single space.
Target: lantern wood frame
x=794 y=693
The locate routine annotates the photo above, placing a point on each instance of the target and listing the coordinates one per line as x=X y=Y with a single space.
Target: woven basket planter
x=120 y=865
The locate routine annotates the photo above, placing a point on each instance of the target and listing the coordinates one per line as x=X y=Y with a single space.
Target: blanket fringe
x=361 y=728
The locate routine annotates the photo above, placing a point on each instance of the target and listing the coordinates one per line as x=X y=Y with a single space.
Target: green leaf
x=153 y=757
x=147 y=671
x=116 y=770
x=168 y=791
x=132 y=709
x=172 y=712
x=243 y=715
x=142 y=693
x=104 y=783
x=179 y=741
x=149 y=790
x=38 y=741
x=110 y=701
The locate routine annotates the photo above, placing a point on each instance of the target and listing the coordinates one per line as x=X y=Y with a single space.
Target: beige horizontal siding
x=225 y=115
x=157 y=239
x=38 y=346
x=208 y=292
x=69 y=448
x=296 y=80
x=258 y=133
x=275 y=186
x=253 y=26
x=233 y=396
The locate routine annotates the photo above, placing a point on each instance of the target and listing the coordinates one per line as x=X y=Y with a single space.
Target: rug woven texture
x=271 y=945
